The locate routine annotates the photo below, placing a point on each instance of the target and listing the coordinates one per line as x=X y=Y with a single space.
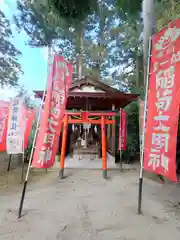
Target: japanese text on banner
x=122 y=130
x=53 y=113
x=16 y=127
x=163 y=103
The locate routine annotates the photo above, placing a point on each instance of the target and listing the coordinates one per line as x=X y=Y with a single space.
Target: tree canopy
x=167 y=10
x=73 y=9
x=10 y=68
x=86 y=42
x=102 y=38
x=128 y=7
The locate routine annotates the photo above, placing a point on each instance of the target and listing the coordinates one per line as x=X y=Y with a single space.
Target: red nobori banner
x=4 y=109
x=4 y=113
x=52 y=116
x=122 y=130
x=163 y=102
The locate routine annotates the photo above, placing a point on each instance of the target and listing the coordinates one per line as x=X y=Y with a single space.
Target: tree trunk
x=137 y=73
x=102 y=19
x=80 y=51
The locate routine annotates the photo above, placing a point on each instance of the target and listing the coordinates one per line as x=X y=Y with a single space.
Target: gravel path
x=84 y=206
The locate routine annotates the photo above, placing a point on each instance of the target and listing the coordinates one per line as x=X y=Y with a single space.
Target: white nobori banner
x=16 y=127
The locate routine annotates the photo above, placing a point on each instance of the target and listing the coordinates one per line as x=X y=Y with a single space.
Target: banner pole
x=33 y=146
x=22 y=168
x=120 y=138
x=143 y=134
x=9 y=163
x=30 y=158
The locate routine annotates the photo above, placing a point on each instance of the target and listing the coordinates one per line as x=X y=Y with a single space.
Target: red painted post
x=104 y=154
x=63 y=147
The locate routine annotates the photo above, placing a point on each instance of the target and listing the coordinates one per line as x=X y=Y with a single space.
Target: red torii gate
x=84 y=118
x=92 y=98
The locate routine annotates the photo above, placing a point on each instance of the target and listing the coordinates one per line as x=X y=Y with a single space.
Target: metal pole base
x=105 y=174
x=140 y=196
x=61 y=173
x=9 y=163
x=22 y=200
x=121 y=167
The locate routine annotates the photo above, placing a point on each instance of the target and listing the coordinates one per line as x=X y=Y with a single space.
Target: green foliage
x=73 y=9
x=99 y=52
x=96 y=42
x=10 y=68
x=129 y=8
x=168 y=10
x=88 y=41
x=128 y=45
x=52 y=20
x=31 y=139
x=132 y=149
x=41 y=28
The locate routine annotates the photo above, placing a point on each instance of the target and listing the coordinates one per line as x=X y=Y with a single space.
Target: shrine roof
x=98 y=94
x=90 y=81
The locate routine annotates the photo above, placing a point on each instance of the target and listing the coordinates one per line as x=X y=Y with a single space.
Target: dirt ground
x=85 y=206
